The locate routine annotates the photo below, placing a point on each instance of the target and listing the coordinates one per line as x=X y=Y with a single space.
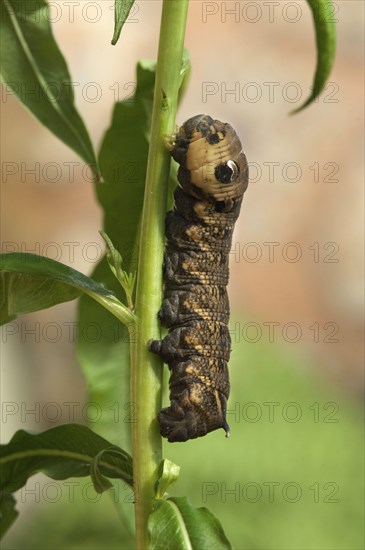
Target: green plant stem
x=147 y=369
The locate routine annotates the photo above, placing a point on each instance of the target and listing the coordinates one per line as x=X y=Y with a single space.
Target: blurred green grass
x=306 y=454
x=321 y=461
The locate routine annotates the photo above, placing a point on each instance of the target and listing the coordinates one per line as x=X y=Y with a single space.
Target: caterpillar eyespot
x=213 y=176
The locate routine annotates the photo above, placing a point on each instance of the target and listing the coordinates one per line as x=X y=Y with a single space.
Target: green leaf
x=176 y=524
x=121 y=12
x=123 y=159
x=8 y=513
x=100 y=482
x=70 y=450
x=30 y=283
x=324 y=24
x=33 y=67
x=168 y=474
x=62 y=452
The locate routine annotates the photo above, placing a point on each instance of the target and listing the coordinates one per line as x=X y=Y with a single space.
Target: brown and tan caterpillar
x=213 y=176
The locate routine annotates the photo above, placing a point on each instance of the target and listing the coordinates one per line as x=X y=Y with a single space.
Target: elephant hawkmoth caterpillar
x=213 y=176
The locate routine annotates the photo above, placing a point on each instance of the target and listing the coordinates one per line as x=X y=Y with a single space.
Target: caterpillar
x=213 y=176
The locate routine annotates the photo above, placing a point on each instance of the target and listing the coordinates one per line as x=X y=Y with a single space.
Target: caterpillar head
x=212 y=163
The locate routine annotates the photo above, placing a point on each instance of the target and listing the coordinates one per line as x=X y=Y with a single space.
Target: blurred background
x=291 y=476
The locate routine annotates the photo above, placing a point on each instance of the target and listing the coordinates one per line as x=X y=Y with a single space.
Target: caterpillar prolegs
x=213 y=176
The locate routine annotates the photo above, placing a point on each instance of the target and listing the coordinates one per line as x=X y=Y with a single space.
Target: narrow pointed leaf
x=121 y=12
x=30 y=283
x=177 y=524
x=62 y=452
x=34 y=69
x=324 y=25
x=8 y=513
